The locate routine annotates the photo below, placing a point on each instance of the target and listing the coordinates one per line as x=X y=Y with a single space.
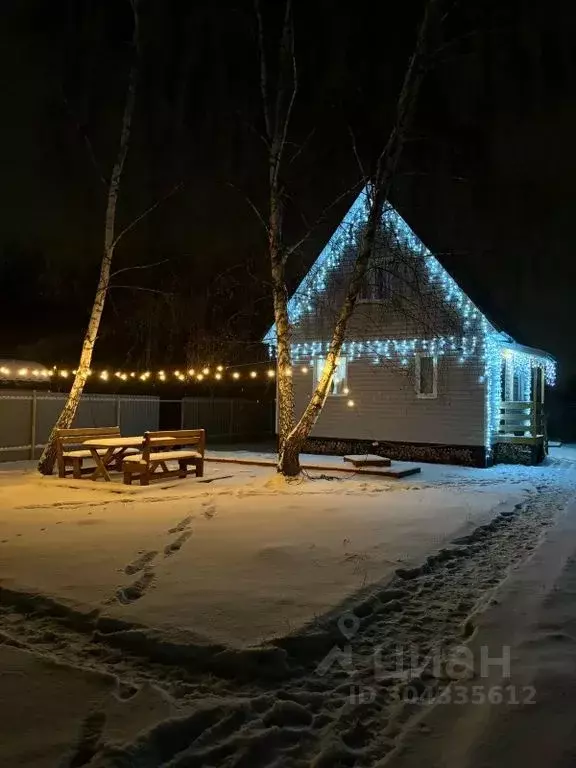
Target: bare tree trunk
x=277 y=115
x=46 y=462
x=386 y=167
x=285 y=384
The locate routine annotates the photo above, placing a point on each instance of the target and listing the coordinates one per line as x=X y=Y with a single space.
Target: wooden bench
x=67 y=438
x=186 y=447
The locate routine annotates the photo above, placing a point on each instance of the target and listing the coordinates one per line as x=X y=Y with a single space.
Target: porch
x=521 y=413
x=522 y=422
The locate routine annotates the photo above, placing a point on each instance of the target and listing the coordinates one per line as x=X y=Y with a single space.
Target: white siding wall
x=386 y=406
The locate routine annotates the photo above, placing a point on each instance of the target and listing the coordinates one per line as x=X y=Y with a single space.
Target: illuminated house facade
x=424 y=374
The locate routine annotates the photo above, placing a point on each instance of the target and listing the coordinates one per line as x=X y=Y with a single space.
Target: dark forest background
x=487 y=178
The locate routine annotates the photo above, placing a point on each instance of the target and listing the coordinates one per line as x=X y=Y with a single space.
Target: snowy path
x=325 y=697
x=530 y=721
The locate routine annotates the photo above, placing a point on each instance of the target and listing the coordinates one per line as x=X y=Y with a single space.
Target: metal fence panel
x=15 y=425
x=138 y=414
x=228 y=419
x=27 y=417
x=93 y=411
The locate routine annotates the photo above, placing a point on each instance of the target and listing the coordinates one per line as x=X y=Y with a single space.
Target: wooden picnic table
x=115 y=450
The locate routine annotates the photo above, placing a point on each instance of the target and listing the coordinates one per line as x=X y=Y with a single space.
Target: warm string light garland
x=480 y=341
x=219 y=373
x=37 y=373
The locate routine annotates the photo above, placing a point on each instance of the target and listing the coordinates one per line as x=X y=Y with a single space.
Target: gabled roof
x=332 y=254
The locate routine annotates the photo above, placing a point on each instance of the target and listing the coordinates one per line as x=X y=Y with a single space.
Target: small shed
x=23 y=372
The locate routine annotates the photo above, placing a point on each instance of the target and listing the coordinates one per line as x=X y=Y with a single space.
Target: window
x=388 y=279
x=377 y=284
x=426 y=376
x=338 y=386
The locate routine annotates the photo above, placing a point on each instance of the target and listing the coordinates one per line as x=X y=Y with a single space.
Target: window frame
x=315 y=377
x=418 y=382
x=387 y=277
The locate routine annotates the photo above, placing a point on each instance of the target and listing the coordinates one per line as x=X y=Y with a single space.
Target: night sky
x=487 y=179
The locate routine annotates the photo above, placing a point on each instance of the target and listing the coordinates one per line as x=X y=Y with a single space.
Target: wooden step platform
x=368 y=460
x=398 y=471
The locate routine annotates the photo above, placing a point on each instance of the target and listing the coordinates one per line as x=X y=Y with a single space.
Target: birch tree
x=277 y=114
x=111 y=239
x=277 y=105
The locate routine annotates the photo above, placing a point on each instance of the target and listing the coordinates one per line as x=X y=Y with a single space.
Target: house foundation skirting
x=467 y=455
x=518 y=453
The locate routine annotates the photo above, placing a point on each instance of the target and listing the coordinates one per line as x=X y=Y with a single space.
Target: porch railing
x=521 y=419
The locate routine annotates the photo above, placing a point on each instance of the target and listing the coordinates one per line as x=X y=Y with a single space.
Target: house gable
x=378 y=327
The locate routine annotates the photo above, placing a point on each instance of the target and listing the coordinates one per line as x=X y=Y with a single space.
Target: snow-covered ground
x=206 y=613
x=241 y=559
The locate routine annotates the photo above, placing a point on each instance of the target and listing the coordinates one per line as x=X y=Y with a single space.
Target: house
x=424 y=373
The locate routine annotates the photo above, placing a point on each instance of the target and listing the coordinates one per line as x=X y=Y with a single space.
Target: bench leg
x=77 y=468
x=182 y=468
x=127 y=478
x=200 y=468
x=145 y=477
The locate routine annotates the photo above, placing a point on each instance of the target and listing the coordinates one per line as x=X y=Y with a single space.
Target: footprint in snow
x=138 y=589
x=140 y=562
x=182 y=525
x=177 y=544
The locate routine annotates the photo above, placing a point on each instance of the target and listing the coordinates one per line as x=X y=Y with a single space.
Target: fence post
x=33 y=409
x=118 y=409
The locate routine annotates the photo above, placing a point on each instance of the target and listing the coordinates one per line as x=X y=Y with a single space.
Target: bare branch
x=356 y=155
x=251 y=127
x=450 y=44
x=263 y=70
x=86 y=139
x=138 y=266
x=145 y=213
x=426 y=173
x=141 y=288
x=287 y=48
x=320 y=220
x=303 y=146
x=252 y=205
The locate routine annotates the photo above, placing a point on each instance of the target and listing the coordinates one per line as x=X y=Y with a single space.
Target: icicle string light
x=346 y=237
x=378 y=349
